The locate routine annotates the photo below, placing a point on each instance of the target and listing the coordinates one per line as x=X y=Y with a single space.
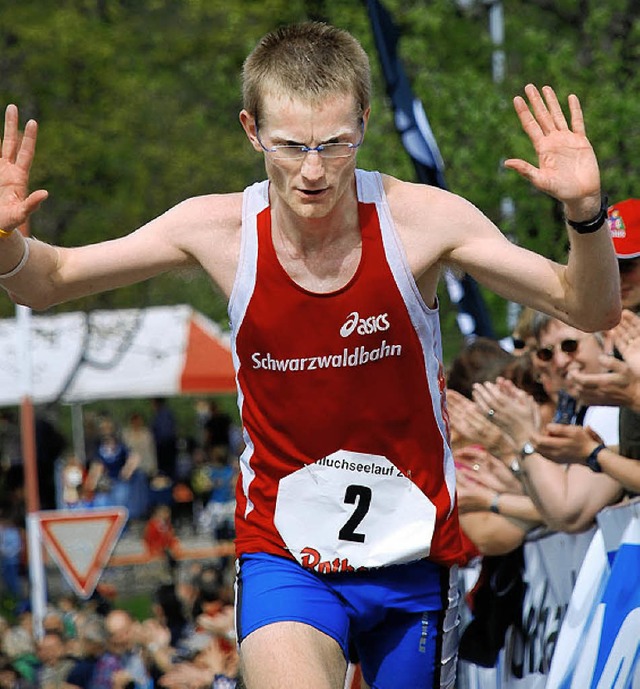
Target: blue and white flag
x=418 y=140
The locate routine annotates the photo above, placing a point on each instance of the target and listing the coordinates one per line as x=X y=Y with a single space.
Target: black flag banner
x=418 y=140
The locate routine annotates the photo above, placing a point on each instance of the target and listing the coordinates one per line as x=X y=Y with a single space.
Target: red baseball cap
x=624 y=226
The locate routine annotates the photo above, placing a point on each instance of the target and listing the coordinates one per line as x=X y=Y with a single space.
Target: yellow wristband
x=4 y=234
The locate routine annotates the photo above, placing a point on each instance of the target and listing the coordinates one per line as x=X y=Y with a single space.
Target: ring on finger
x=491 y=412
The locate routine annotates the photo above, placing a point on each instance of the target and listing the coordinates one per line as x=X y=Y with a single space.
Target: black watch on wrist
x=592 y=459
x=593 y=224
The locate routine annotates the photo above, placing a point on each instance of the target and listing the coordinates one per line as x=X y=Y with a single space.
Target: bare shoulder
x=217 y=215
x=432 y=222
x=208 y=230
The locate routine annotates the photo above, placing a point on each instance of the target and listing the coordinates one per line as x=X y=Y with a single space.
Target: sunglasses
x=568 y=346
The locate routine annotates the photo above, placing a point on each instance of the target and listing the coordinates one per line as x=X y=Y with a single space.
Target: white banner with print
x=599 y=643
x=552 y=563
x=581 y=614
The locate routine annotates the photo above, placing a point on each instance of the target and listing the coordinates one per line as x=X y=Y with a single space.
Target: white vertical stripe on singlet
x=424 y=319
x=254 y=200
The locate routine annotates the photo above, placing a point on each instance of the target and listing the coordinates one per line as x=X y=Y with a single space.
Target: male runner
x=347 y=527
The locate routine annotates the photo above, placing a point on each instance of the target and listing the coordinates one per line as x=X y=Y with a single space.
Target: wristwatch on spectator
x=516 y=464
x=515 y=467
x=527 y=450
x=592 y=459
x=495 y=506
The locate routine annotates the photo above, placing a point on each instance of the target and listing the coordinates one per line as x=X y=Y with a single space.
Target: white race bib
x=351 y=510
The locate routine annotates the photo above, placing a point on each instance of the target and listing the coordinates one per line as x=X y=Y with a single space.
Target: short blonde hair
x=307 y=61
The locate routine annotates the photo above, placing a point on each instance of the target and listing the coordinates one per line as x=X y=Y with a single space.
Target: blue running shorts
x=399 y=622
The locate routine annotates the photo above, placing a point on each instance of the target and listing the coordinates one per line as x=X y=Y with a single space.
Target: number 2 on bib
x=360 y=496
x=354 y=509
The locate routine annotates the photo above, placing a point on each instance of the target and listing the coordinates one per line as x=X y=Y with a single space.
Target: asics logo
x=364 y=326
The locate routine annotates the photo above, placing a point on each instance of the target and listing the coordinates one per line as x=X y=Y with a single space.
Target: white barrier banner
x=552 y=564
x=613 y=522
x=581 y=614
x=588 y=590
x=599 y=644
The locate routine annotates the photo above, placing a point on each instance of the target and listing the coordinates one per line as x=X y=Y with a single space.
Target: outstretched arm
x=568 y=171
x=585 y=292
x=36 y=273
x=201 y=230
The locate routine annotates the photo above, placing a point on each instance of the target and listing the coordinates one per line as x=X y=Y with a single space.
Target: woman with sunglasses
x=621 y=465
x=568 y=497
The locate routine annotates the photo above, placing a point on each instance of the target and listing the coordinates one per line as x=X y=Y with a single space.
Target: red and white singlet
x=347 y=462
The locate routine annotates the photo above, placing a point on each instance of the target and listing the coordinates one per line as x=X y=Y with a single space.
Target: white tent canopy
x=153 y=352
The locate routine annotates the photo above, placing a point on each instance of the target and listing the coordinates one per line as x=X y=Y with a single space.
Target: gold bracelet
x=4 y=234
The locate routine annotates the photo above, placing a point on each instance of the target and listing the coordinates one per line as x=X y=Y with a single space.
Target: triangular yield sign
x=81 y=542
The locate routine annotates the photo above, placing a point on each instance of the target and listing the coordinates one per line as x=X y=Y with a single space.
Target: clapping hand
x=626 y=336
x=619 y=385
x=511 y=409
x=480 y=476
x=566 y=444
x=474 y=426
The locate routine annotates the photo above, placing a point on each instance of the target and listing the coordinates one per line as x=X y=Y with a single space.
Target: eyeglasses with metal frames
x=299 y=151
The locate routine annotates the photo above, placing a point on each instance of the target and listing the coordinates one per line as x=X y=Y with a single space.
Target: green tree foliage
x=138 y=102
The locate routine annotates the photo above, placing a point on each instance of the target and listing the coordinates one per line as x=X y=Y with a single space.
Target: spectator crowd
x=167 y=482
x=548 y=434
x=544 y=437
x=187 y=641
